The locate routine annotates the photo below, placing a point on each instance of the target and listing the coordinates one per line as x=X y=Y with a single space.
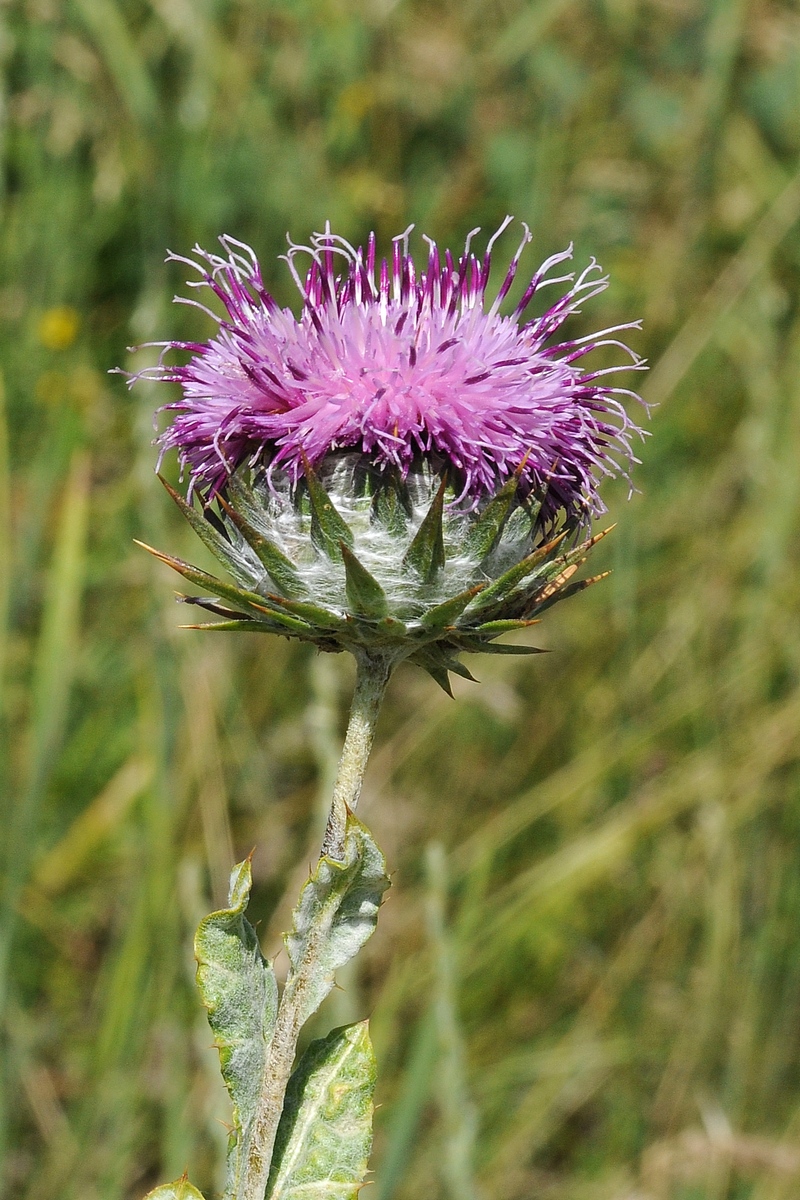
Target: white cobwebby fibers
x=380 y=551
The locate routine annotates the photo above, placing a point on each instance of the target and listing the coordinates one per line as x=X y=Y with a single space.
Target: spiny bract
x=388 y=569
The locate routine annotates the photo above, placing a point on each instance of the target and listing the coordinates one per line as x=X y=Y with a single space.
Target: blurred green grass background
x=586 y=981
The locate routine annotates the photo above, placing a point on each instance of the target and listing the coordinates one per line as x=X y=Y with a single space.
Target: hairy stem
x=371 y=679
x=372 y=676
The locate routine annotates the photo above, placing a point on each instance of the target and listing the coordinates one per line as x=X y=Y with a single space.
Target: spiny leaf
x=426 y=552
x=328 y=528
x=280 y=570
x=530 y=566
x=181 y=1189
x=219 y=546
x=486 y=530
x=336 y=913
x=226 y=591
x=325 y=1134
x=445 y=613
x=240 y=992
x=365 y=595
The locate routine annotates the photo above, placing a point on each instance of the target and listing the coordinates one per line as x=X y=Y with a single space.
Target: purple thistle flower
x=400 y=368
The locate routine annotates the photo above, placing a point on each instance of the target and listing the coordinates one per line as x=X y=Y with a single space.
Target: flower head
x=397 y=470
x=400 y=367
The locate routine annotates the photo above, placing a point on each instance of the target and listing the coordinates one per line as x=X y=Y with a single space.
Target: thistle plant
x=406 y=472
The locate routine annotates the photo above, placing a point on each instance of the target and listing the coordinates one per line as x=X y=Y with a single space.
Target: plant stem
x=372 y=676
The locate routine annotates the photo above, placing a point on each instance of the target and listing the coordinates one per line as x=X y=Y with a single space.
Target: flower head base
x=398 y=470
x=382 y=571
x=401 y=368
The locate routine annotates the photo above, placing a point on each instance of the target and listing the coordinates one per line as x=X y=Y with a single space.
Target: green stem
x=372 y=677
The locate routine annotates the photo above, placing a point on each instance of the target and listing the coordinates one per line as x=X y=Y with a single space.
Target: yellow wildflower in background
x=58 y=327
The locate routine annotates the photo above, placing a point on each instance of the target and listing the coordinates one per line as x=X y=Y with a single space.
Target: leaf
x=325 y=1135
x=365 y=595
x=181 y=1189
x=328 y=527
x=426 y=552
x=280 y=569
x=239 y=989
x=336 y=913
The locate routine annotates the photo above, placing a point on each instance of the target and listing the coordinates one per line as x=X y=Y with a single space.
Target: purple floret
x=400 y=368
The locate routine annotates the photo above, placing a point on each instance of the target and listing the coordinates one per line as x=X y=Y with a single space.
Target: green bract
x=351 y=560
